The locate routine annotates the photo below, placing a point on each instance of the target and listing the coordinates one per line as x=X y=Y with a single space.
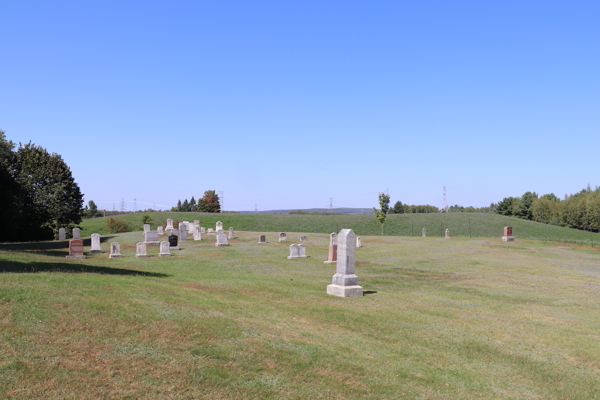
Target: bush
x=116 y=225
x=146 y=219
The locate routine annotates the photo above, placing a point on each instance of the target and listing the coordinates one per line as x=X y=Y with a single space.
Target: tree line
x=39 y=193
x=580 y=210
x=208 y=203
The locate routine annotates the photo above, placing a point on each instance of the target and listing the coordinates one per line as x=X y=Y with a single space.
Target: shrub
x=116 y=225
x=146 y=219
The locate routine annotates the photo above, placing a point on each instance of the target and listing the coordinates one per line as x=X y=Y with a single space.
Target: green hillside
x=460 y=224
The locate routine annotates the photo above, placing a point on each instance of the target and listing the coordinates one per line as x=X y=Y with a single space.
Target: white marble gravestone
x=345 y=282
x=210 y=231
x=184 y=226
x=221 y=239
x=183 y=234
x=202 y=230
x=230 y=235
x=96 y=243
x=160 y=230
x=165 y=251
x=115 y=250
x=219 y=226
x=169 y=225
x=151 y=237
x=332 y=254
x=197 y=235
x=140 y=250
x=146 y=227
x=76 y=233
x=303 y=238
x=447 y=234
x=358 y=242
x=62 y=235
x=297 y=251
x=262 y=239
x=197 y=222
x=424 y=232
x=282 y=237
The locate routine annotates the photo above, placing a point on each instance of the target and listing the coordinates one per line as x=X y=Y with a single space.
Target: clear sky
x=286 y=104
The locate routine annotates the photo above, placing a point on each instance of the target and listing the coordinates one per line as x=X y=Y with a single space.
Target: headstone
x=115 y=250
x=332 y=255
x=447 y=234
x=230 y=235
x=76 y=233
x=197 y=235
x=303 y=238
x=282 y=237
x=184 y=226
x=146 y=227
x=202 y=230
x=183 y=235
x=192 y=228
x=424 y=232
x=160 y=230
x=140 y=250
x=176 y=232
x=165 y=249
x=221 y=239
x=96 y=243
x=151 y=237
x=169 y=225
x=210 y=231
x=345 y=282
x=297 y=251
x=197 y=222
x=358 y=242
x=173 y=242
x=262 y=239
x=508 y=235
x=62 y=234
x=76 y=249
x=219 y=226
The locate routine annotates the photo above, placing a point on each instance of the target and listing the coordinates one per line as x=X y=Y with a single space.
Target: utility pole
x=444 y=208
x=134 y=204
x=255 y=207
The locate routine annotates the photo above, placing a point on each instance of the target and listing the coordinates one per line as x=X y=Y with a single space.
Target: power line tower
x=255 y=207
x=154 y=207
x=444 y=208
x=222 y=199
x=330 y=207
x=122 y=204
x=114 y=209
x=134 y=204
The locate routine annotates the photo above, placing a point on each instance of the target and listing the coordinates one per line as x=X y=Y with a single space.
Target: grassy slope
x=482 y=225
x=460 y=319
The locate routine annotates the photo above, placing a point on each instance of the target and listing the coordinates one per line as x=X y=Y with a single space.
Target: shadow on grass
x=53 y=248
x=33 y=267
x=368 y=292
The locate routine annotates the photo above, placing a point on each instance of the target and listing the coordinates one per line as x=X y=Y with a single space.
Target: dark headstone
x=172 y=240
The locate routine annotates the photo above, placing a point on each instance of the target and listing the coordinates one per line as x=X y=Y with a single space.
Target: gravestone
x=424 y=232
x=508 y=235
x=151 y=237
x=221 y=239
x=210 y=231
x=358 y=242
x=230 y=235
x=115 y=250
x=165 y=249
x=169 y=225
x=76 y=233
x=197 y=235
x=202 y=230
x=297 y=251
x=219 y=226
x=76 y=249
x=447 y=234
x=183 y=235
x=146 y=227
x=197 y=222
x=282 y=237
x=176 y=232
x=184 y=226
x=173 y=242
x=262 y=239
x=345 y=282
x=160 y=230
x=141 y=250
x=192 y=228
x=62 y=235
x=332 y=255
x=96 y=243
x=303 y=238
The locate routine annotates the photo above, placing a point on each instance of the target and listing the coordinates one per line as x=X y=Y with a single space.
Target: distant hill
x=337 y=210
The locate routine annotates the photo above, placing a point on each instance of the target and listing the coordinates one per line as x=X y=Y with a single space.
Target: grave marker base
x=74 y=256
x=508 y=238
x=345 y=291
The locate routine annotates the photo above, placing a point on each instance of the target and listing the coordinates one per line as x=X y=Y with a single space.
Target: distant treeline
x=208 y=203
x=580 y=211
x=302 y=212
x=400 y=208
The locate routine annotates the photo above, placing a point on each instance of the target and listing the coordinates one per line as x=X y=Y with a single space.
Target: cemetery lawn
x=460 y=224
x=441 y=319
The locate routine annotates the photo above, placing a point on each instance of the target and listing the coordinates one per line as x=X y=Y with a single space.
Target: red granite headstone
x=508 y=231
x=76 y=247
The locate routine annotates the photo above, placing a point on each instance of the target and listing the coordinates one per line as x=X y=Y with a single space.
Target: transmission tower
x=114 y=209
x=330 y=207
x=134 y=204
x=122 y=205
x=444 y=208
x=154 y=207
x=222 y=199
x=255 y=207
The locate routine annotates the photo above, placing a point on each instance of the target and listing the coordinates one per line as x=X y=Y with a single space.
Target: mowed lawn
x=441 y=319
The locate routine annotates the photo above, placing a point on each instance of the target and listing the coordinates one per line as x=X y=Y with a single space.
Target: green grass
x=460 y=225
x=441 y=319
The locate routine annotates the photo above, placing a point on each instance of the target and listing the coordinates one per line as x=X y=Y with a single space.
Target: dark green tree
x=209 y=202
x=192 y=204
x=185 y=206
x=398 y=208
x=384 y=204
x=179 y=205
x=92 y=210
x=505 y=207
x=524 y=209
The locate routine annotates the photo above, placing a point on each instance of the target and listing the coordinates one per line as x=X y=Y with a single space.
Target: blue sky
x=287 y=104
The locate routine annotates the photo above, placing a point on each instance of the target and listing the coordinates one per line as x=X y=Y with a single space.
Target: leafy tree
x=398 y=208
x=146 y=219
x=505 y=207
x=384 y=204
x=92 y=210
x=192 y=204
x=209 y=203
x=524 y=208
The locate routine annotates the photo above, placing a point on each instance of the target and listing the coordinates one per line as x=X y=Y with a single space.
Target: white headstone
x=62 y=234
x=219 y=226
x=358 y=242
x=160 y=230
x=197 y=235
x=447 y=234
x=76 y=233
x=202 y=230
x=282 y=237
x=169 y=224
x=151 y=237
x=424 y=232
x=140 y=250
x=115 y=250
x=230 y=235
x=96 y=243
x=345 y=282
x=297 y=251
x=164 y=249
x=183 y=235
x=262 y=239
x=221 y=239
x=146 y=227
x=197 y=222
x=333 y=239
x=184 y=226
x=210 y=231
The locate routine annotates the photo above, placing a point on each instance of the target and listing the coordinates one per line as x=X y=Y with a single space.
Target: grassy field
x=460 y=225
x=441 y=319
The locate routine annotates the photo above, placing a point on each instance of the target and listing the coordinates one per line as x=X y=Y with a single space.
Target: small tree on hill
x=192 y=204
x=185 y=206
x=209 y=203
x=384 y=203
x=178 y=205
